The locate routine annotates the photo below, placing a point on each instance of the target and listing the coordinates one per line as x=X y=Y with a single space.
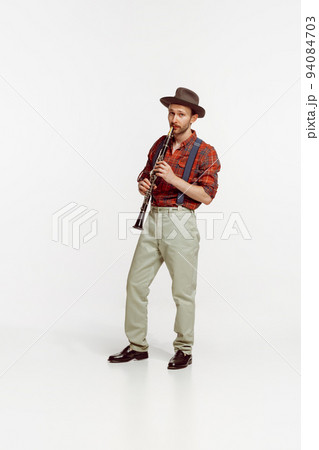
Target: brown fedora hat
x=186 y=97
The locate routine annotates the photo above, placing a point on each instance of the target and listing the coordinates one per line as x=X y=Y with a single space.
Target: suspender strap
x=188 y=168
x=159 y=148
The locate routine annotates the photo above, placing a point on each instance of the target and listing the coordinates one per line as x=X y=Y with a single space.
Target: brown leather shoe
x=127 y=355
x=179 y=360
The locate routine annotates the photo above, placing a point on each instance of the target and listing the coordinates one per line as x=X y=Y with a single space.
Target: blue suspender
x=159 y=148
x=188 y=166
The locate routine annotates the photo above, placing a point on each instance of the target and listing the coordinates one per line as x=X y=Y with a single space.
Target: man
x=170 y=233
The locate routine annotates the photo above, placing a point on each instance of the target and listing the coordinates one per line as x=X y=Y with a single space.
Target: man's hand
x=164 y=170
x=144 y=185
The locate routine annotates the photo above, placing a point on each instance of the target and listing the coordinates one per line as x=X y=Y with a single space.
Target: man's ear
x=194 y=118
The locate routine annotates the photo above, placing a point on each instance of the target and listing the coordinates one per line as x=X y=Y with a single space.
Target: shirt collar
x=189 y=142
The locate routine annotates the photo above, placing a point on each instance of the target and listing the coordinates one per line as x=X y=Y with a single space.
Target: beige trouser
x=170 y=235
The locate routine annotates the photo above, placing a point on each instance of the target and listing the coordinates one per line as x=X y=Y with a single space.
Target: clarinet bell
x=139 y=223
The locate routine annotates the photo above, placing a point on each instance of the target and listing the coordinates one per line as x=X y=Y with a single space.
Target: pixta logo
x=232 y=225
x=70 y=224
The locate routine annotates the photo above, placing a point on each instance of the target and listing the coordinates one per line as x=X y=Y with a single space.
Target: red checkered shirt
x=203 y=173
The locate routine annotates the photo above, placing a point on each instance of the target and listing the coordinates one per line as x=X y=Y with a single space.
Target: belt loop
x=180 y=208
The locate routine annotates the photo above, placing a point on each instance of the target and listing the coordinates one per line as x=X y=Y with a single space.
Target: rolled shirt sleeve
x=208 y=171
x=145 y=173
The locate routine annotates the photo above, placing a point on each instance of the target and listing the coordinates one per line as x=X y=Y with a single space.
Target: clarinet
x=139 y=223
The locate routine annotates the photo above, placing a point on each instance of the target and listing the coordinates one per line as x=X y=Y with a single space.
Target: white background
x=80 y=84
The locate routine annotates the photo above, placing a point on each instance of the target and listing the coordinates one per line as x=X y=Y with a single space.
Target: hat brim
x=166 y=101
